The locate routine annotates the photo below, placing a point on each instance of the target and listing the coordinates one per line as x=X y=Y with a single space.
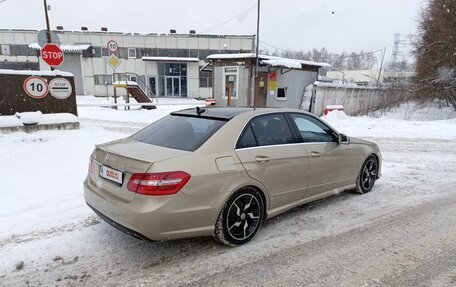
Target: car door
x=330 y=162
x=268 y=150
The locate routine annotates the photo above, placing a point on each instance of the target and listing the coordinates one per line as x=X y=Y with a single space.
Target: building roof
x=65 y=47
x=157 y=34
x=269 y=60
x=170 y=59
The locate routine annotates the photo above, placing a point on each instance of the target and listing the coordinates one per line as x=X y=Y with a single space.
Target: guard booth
x=27 y=91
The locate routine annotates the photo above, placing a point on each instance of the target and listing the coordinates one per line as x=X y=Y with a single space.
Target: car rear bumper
x=118 y=225
x=154 y=218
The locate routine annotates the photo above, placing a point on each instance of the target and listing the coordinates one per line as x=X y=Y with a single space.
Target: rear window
x=179 y=132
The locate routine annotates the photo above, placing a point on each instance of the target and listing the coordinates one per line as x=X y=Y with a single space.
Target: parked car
x=223 y=171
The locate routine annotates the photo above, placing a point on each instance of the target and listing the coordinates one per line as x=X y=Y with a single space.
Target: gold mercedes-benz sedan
x=223 y=171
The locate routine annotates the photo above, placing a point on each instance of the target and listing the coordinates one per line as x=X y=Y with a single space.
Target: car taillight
x=160 y=183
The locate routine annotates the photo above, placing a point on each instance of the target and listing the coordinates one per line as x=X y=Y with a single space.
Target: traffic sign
x=112 y=46
x=43 y=40
x=36 y=87
x=52 y=55
x=60 y=88
x=113 y=61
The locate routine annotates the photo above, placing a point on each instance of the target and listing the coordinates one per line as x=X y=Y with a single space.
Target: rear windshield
x=179 y=132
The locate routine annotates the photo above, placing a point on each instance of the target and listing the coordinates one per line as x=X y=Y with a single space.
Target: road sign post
x=52 y=55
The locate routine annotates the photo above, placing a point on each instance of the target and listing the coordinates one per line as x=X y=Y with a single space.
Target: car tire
x=367 y=175
x=240 y=218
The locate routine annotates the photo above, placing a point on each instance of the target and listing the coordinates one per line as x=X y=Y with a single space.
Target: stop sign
x=52 y=55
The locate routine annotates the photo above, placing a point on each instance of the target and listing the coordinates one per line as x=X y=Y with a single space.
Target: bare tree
x=435 y=52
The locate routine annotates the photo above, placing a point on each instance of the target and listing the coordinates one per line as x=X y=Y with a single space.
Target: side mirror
x=344 y=139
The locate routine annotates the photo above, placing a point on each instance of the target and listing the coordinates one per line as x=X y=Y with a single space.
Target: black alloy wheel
x=240 y=218
x=367 y=175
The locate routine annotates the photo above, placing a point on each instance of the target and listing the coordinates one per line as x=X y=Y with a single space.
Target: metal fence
x=356 y=100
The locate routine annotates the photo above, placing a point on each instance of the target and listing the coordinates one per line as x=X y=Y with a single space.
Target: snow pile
x=42 y=174
x=307 y=97
x=414 y=112
x=90 y=108
x=36 y=118
x=385 y=127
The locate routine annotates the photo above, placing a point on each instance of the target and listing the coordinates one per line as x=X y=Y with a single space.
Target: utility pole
x=381 y=65
x=48 y=29
x=256 y=52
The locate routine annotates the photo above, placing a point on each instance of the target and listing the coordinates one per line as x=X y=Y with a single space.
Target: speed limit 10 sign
x=112 y=46
x=36 y=87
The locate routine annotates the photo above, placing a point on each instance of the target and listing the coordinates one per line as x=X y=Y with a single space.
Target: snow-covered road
x=402 y=233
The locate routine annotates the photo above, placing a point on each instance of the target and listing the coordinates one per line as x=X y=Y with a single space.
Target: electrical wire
x=209 y=29
x=230 y=19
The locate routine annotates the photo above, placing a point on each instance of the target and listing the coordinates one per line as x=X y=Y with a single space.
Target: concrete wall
x=356 y=100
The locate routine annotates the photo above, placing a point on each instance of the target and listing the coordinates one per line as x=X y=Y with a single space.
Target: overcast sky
x=338 y=25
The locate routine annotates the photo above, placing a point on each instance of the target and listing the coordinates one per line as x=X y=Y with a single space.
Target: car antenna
x=199 y=110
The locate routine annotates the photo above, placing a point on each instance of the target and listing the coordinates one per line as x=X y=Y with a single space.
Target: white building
x=169 y=64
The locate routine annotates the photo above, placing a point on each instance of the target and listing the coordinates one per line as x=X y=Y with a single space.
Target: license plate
x=111 y=174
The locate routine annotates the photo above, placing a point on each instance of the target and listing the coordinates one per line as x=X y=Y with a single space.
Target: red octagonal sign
x=52 y=55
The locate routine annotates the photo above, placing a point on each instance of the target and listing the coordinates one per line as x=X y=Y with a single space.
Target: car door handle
x=262 y=158
x=314 y=154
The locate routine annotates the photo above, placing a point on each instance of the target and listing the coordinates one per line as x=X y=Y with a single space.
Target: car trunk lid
x=116 y=161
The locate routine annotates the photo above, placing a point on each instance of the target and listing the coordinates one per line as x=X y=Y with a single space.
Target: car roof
x=213 y=112
x=227 y=113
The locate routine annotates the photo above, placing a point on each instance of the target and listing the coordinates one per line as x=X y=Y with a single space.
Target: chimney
x=172 y=31
x=192 y=32
x=84 y=28
x=104 y=29
x=60 y=28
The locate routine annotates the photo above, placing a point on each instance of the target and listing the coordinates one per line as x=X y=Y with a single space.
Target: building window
x=122 y=53
x=230 y=82
x=281 y=93
x=132 y=53
x=103 y=80
x=104 y=52
x=205 y=79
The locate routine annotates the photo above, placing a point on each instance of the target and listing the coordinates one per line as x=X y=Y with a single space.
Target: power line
x=230 y=19
x=211 y=28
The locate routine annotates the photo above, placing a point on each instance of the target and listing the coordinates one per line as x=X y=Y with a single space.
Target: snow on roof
x=35 y=73
x=65 y=47
x=171 y=59
x=232 y=56
x=270 y=60
x=283 y=63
